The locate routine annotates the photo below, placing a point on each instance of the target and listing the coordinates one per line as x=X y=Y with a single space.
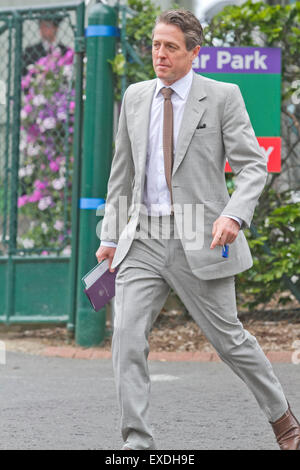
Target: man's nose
x=161 y=51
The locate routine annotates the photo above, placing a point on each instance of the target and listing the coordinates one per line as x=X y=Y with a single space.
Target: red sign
x=271 y=146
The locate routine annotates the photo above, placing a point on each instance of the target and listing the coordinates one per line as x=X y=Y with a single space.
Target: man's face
x=48 y=30
x=171 y=59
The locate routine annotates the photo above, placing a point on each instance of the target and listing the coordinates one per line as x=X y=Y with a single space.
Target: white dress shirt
x=49 y=46
x=156 y=192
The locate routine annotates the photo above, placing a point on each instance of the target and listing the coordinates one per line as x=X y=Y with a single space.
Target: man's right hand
x=106 y=252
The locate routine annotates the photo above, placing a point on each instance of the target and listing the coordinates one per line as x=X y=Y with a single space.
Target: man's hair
x=51 y=19
x=187 y=22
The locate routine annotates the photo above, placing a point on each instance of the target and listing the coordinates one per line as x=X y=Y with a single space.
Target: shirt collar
x=181 y=86
x=49 y=45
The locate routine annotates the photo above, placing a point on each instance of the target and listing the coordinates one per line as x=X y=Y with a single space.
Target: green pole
x=79 y=50
x=97 y=154
x=13 y=222
x=124 y=50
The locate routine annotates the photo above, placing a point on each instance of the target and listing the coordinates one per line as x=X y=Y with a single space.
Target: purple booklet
x=100 y=285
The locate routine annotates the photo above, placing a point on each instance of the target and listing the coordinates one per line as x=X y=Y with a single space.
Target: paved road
x=59 y=403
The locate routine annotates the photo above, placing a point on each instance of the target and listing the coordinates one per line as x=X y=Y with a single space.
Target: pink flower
x=25 y=82
x=35 y=196
x=69 y=55
x=45 y=202
x=51 y=65
x=40 y=184
x=67 y=58
x=59 y=225
x=53 y=166
x=32 y=70
x=33 y=132
x=56 y=52
x=31 y=93
x=28 y=108
x=72 y=105
x=42 y=61
x=22 y=200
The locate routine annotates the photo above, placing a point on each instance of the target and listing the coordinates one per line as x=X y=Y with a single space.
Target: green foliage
x=261 y=25
x=118 y=64
x=139 y=36
x=276 y=255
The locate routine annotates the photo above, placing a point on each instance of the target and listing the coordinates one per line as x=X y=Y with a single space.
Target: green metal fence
x=41 y=74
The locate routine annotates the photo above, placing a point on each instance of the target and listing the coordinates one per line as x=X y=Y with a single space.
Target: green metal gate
x=40 y=146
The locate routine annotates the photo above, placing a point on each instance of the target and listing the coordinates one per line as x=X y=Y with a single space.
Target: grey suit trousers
x=151 y=267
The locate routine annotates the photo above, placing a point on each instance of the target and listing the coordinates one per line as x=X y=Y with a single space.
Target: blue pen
x=225 y=249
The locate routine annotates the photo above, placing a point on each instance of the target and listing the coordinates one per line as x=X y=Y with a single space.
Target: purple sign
x=238 y=60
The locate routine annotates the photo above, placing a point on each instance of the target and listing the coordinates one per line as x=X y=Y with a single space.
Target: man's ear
x=196 y=51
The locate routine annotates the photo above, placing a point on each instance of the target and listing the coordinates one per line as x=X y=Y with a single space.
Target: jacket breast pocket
x=205 y=131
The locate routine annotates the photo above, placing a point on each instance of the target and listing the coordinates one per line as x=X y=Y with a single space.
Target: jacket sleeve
x=119 y=190
x=245 y=157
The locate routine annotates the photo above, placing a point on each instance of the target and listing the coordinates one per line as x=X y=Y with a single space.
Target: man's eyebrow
x=167 y=43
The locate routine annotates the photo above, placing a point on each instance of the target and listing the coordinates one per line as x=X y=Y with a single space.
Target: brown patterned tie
x=168 y=136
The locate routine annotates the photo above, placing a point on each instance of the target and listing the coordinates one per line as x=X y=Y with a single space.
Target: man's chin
x=163 y=74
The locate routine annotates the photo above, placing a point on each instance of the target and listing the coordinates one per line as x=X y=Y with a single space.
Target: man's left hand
x=225 y=231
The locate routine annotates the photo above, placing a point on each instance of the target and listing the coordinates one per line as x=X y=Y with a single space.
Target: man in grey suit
x=168 y=217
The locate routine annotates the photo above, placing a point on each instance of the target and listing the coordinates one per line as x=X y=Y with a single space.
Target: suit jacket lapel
x=193 y=111
x=142 y=110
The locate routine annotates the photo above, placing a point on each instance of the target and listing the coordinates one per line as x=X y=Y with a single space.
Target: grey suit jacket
x=198 y=176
